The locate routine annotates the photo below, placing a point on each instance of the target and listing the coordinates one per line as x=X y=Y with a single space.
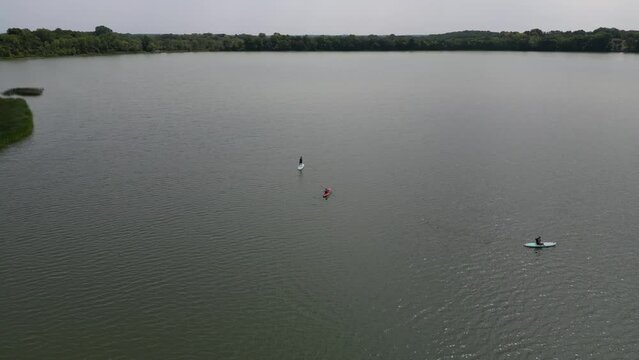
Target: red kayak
x=327 y=193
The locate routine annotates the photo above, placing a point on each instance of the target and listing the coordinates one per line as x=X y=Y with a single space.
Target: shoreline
x=8 y=59
x=43 y=43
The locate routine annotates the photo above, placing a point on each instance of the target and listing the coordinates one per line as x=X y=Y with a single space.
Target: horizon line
x=329 y=34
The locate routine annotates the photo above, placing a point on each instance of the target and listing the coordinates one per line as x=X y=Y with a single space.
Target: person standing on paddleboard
x=301 y=160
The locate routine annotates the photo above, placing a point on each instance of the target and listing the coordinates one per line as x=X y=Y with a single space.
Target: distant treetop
x=102 y=30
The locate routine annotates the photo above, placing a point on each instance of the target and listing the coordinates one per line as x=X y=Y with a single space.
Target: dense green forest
x=42 y=42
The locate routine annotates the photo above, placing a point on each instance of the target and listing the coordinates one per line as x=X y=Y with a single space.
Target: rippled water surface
x=157 y=212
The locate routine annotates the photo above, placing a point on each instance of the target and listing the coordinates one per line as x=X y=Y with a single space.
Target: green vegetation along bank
x=17 y=43
x=16 y=121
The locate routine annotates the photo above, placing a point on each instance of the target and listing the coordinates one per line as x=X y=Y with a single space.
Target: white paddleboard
x=300 y=167
x=545 y=245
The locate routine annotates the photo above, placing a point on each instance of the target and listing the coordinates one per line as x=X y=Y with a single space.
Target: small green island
x=16 y=120
x=24 y=91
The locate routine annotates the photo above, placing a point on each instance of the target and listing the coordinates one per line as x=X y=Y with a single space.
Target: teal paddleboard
x=545 y=245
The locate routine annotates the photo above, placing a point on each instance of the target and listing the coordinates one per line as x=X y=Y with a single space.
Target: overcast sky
x=319 y=16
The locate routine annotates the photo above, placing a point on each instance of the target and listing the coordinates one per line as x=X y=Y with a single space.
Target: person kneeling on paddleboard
x=538 y=241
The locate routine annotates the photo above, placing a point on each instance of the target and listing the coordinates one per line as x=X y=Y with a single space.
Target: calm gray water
x=157 y=211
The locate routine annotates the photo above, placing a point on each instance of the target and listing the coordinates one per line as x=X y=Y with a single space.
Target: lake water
x=157 y=212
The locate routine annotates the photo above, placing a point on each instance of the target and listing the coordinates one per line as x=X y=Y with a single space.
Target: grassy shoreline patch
x=16 y=121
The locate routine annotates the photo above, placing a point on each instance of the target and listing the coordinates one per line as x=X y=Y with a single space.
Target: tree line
x=16 y=43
